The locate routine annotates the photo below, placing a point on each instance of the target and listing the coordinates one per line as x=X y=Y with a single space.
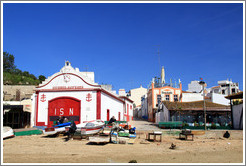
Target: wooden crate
x=99 y=139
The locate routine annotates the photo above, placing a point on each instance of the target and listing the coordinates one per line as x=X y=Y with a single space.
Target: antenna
x=158 y=54
x=159 y=58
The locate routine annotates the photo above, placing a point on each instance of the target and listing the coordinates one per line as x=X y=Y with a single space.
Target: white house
x=75 y=95
x=136 y=94
x=194 y=86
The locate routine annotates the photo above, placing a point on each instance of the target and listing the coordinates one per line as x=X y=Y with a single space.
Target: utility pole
x=158 y=54
x=204 y=107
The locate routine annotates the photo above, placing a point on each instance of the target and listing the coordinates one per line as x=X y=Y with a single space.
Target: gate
x=66 y=107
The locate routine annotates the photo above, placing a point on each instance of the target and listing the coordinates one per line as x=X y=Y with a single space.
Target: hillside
x=14 y=76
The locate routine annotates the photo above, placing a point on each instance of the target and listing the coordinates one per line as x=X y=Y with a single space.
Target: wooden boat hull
x=89 y=128
x=52 y=130
x=90 y=131
x=56 y=129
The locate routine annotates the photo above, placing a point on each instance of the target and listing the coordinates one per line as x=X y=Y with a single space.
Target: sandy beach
x=210 y=147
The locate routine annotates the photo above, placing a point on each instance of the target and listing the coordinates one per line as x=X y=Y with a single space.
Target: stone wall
x=17 y=92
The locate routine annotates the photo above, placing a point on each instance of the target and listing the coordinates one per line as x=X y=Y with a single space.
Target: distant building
x=190 y=96
x=237 y=110
x=122 y=92
x=144 y=107
x=17 y=105
x=136 y=94
x=194 y=87
x=159 y=91
x=107 y=87
x=17 y=114
x=225 y=87
x=190 y=112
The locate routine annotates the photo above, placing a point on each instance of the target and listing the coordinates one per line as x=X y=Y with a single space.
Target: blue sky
x=119 y=42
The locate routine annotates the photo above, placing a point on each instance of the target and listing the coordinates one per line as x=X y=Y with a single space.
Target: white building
x=225 y=87
x=194 y=86
x=144 y=107
x=136 y=94
x=75 y=95
x=228 y=87
x=190 y=97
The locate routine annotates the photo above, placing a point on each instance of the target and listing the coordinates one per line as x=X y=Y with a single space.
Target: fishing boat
x=89 y=127
x=92 y=127
x=7 y=132
x=56 y=129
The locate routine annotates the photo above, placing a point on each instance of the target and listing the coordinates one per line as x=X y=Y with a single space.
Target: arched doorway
x=64 y=106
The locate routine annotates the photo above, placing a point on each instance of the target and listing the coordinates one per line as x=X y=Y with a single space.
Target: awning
x=238 y=95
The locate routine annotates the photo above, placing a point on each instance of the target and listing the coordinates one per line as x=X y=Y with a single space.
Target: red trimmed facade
x=72 y=94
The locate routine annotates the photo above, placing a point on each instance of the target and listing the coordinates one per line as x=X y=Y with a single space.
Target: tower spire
x=163 y=75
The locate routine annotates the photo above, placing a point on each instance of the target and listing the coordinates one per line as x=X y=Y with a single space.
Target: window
x=233 y=90
x=158 y=99
x=175 y=98
x=167 y=97
x=223 y=91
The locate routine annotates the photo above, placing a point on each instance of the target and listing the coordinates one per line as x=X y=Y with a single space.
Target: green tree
x=18 y=71
x=32 y=76
x=41 y=78
x=8 y=62
x=26 y=73
x=14 y=76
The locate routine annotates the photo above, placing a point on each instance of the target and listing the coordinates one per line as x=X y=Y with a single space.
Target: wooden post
x=231 y=115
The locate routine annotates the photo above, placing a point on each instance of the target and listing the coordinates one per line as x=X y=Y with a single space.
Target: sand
x=208 y=148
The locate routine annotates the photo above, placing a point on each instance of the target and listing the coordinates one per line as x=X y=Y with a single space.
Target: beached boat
x=92 y=127
x=7 y=132
x=89 y=127
x=56 y=129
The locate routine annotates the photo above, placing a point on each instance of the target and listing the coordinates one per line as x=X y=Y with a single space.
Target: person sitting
x=57 y=122
x=71 y=130
x=65 y=120
x=112 y=120
x=61 y=119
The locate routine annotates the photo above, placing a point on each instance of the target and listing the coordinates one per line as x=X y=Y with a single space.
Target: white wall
x=237 y=116
x=136 y=95
x=219 y=99
x=115 y=106
x=189 y=97
x=130 y=109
